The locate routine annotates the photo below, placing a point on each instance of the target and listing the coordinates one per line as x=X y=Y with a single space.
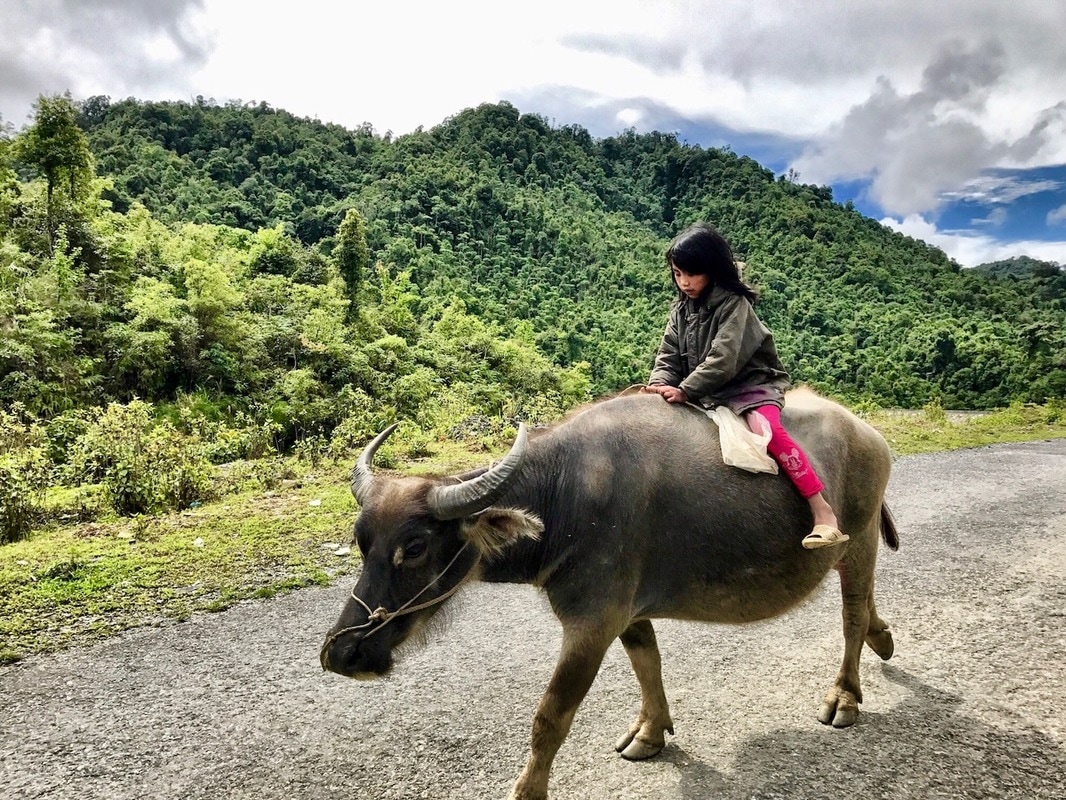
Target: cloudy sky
x=945 y=119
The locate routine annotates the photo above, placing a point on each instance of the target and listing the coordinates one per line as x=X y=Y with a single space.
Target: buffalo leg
x=878 y=636
x=584 y=647
x=840 y=707
x=647 y=736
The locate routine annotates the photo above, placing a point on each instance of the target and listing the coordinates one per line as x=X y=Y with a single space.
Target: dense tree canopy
x=308 y=274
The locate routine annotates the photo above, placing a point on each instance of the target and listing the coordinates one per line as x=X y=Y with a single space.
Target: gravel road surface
x=235 y=705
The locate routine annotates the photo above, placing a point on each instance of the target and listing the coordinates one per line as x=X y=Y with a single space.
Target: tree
x=526 y=224
x=9 y=185
x=352 y=254
x=59 y=150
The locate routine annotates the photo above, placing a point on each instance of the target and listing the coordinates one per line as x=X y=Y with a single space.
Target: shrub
x=24 y=473
x=362 y=420
x=63 y=431
x=23 y=480
x=934 y=412
x=145 y=467
x=17 y=429
x=413 y=442
x=265 y=474
x=114 y=431
x=182 y=469
x=311 y=449
x=412 y=391
x=64 y=504
x=223 y=442
x=540 y=409
x=1054 y=411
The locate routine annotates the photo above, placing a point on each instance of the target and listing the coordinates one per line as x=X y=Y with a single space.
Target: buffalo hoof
x=638 y=744
x=839 y=709
x=881 y=643
x=516 y=795
x=638 y=750
x=529 y=788
x=522 y=794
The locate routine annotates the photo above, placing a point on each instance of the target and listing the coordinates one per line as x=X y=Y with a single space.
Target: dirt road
x=235 y=705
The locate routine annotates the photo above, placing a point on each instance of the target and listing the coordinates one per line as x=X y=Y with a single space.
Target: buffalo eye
x=414 y=548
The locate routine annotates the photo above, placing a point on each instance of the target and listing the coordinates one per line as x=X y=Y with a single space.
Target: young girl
x=715 y=351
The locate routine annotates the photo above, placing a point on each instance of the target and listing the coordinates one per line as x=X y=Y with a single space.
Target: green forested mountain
x=305 y=273
x=1024 y=267
x=529 y=222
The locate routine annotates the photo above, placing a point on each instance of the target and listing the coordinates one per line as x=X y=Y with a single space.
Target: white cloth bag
x=741 y=446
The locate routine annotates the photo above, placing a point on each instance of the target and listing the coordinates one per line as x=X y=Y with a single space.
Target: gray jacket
x=718 y=352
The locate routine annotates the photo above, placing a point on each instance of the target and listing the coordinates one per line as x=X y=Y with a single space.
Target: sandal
x=824 y=536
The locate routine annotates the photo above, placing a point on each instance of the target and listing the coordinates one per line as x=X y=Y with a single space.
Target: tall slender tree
x=57 y=148
x=352 y=254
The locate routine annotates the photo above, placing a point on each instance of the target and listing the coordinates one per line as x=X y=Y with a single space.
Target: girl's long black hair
x=701 y=250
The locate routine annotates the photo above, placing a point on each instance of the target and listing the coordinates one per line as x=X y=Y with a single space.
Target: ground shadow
x=923 y=749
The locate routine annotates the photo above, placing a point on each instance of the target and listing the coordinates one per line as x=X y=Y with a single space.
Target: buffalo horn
x=469 y=497
x=362 y=476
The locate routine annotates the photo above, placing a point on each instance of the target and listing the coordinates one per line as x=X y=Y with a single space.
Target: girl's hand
x=671 y=394
x=674 y=395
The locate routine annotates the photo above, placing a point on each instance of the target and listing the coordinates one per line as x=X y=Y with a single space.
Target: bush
x=181 y=466
x=412 y=391
x=24 y=473
x=19 y=430
x=64 y=504
x=1054 y=411
x=934 y=412
x=23 y=480
x=540 y=409
x=145 y=467
x=262 y=474
x=306 y=406
x=63 y=431
x=363 y=419
x=244 y=438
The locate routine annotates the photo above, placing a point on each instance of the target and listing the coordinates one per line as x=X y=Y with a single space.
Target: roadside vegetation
x=85 y=572
x=932 y=429
x=206 y=311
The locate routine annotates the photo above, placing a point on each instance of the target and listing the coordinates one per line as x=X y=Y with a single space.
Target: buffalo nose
x=333 y=653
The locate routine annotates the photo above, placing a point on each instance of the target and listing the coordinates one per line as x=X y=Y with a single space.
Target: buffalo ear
x=495 y=529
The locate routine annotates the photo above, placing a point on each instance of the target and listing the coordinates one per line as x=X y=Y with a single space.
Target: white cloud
x=880 y=91
x=914 y=147
x=403 y=65
x=995 y=218
x=883 y=92
x=1005 y=189
x=114 y=47
x=1057 y=216
x=971 y=249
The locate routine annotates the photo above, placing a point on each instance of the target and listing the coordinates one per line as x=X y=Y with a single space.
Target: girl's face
x=691 y=285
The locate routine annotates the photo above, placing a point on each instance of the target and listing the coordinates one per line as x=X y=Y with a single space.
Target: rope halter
x=384 y=616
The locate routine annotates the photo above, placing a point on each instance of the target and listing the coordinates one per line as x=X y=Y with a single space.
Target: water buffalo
x=621 y=514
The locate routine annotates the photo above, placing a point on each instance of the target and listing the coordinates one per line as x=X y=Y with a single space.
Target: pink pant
x=789 y=454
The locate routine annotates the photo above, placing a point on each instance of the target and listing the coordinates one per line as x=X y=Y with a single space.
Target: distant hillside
x=1018 y=267
x=557 y=236
x=1025 y=268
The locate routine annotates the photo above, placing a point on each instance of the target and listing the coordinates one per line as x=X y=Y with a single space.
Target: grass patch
x=93 y=574
x=933 y=429
x=73 y=583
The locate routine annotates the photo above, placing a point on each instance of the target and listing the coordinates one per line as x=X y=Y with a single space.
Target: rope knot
x=384 y=616
x=379 y=614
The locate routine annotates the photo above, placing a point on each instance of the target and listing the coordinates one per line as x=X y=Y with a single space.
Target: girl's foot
x=824 y=536
x=826 y=531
